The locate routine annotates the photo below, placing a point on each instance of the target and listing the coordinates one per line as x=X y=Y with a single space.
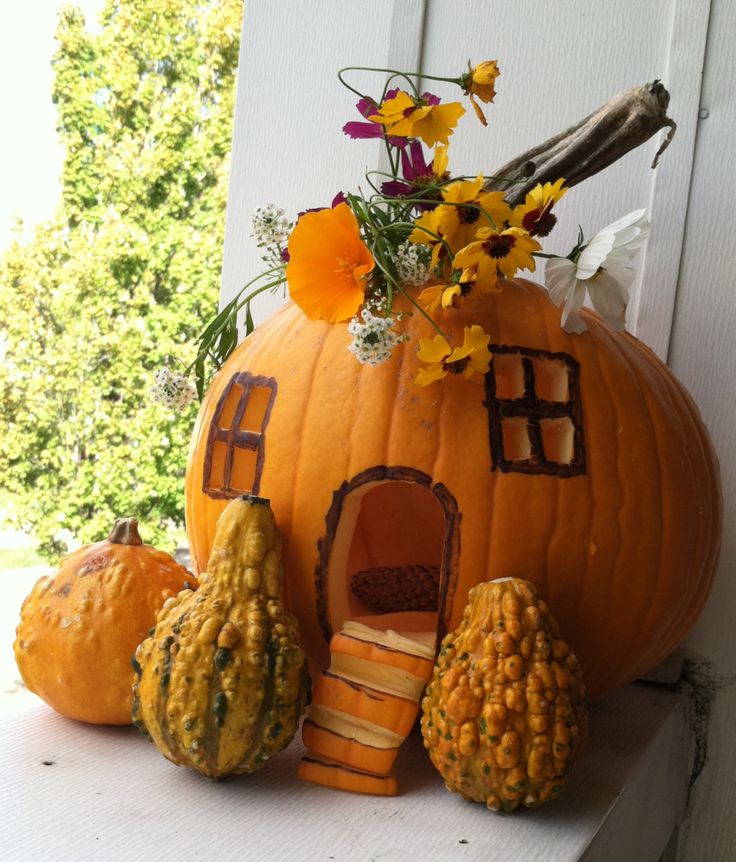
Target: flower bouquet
x=419 y=232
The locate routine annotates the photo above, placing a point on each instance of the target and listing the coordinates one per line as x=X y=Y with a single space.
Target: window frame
x=535 y=409
x=234 y=437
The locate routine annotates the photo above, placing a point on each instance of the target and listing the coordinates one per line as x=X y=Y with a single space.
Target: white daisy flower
x=602 y=269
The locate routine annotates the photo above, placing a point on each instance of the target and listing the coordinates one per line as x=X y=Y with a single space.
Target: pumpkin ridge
x=392 y=414
x=545 y=585
x=683 y=403
x=687 y=614
x=298 y=450
x=289 y=320
x=608 y=412
x=656 y=516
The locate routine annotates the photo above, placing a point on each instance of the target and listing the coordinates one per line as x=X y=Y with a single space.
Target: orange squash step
x=318 y=771
x=386 y=710
x=364 y=649
x=349 y=752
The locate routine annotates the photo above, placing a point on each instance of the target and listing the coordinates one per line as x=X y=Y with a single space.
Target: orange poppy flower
x=328 y=264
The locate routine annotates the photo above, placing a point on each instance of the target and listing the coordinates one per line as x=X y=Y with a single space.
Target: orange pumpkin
x=581 y=464
x=79 y=628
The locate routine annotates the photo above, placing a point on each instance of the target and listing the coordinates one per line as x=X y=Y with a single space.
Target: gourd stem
x=125 y=532
x=621 y=125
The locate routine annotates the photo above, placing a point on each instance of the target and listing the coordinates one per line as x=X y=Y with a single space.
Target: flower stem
x=423 y=312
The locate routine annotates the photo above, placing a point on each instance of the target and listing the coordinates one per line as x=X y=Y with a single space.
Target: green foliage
x=124 y=276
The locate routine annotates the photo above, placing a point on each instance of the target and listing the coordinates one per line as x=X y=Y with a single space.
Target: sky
x=30 y=155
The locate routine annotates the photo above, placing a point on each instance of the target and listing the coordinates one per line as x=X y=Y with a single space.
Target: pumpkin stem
x=598 y=140
x=125 y=532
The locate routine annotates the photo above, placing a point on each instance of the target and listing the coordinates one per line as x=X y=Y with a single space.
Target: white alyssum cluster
x=172 y=389
x=270 y=226
x=412 y=263
x=373 y=334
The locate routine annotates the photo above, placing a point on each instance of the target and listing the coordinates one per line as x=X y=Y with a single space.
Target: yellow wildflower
x=439 y=162
x=406 y=117
x=480 y=81
x=468 y=209
x=497 y=251
x=427 y=232
x=473 y=358
x=444 y=295
x=535 y=215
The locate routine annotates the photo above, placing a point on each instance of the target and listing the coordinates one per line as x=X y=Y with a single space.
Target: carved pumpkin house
x=580 y=464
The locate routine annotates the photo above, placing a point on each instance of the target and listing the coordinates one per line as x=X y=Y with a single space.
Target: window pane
x=216 y=479
x=558 y=439
x=225 y=419
x=243 y=474
x=551 y=379
x=516 y=444
x=255 y=410
x=509 y=374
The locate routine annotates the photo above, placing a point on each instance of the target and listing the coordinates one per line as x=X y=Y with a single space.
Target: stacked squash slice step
x=365 y=705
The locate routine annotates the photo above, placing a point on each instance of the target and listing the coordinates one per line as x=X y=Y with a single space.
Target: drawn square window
x=508 y=369
x=535 y=417
x=551 y=379
x=517 y=446
x=236 y=444
x=558 y=440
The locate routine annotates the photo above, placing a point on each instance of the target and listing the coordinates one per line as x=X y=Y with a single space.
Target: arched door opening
x=389 y=555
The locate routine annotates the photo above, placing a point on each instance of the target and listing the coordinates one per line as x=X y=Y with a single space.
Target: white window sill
x=108 y=794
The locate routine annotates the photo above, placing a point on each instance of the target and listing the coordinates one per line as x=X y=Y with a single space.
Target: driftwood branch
x=621 y=125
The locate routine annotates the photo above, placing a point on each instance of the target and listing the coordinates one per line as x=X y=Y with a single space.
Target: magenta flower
x=367 y=106
x=415 y=170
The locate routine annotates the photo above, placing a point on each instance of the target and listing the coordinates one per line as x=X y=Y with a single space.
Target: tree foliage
x=125 y=274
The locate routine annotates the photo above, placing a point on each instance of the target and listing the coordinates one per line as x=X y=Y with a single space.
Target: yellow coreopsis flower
x=535 y=215
x=471 y=360
x=495 y=252
x=406 y=117
x=480 y=81
x=439 y=162
x=468 y=209
x=442 y=295
x=427 y=232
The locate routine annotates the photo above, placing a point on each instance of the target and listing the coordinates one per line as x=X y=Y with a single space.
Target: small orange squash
x=79 y=628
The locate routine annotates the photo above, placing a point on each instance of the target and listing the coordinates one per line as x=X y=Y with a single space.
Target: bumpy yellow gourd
x=504 y=714
x=221 y=682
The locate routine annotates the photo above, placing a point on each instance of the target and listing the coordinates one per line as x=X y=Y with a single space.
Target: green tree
x=124 y=276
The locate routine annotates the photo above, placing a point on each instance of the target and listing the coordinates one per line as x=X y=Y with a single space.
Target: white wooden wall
x=560 y=60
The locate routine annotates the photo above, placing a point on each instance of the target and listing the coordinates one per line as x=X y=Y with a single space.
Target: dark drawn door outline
x=217 y=478
x=450 y=545
x=542 y=396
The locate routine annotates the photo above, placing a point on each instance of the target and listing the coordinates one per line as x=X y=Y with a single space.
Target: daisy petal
x=609 y=299
x=594 y=253
x=571 y=319
x=559 y=276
